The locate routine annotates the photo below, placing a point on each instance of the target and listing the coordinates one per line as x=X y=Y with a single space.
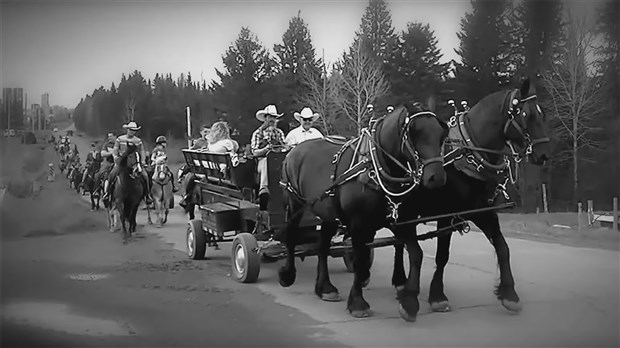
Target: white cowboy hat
x=306 y=113
x=268 y=110
x=132 y=125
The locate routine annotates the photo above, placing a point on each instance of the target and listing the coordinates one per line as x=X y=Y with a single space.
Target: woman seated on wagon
x=219 y=139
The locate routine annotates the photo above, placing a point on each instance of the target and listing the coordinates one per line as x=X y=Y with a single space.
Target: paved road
x=570 y=295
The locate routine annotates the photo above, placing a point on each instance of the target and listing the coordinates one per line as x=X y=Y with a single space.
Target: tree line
x=573 y=61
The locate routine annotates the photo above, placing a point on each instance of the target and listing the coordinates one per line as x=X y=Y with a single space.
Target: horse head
x=531 y=133
x=419 y=145
x=160 y=168
x=130 y=161
x=427 y=133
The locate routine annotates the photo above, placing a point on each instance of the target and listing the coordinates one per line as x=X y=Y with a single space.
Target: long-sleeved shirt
x=267 y=136
x=120 y=146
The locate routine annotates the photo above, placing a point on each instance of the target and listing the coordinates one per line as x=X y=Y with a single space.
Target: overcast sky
x=69 y=48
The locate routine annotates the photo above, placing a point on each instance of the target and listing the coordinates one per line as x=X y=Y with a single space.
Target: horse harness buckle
x=393 y=214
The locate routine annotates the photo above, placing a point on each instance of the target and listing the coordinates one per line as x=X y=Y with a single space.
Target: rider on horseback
x=107 y=159
x=159 y=154
x=90 y=158
x=120 y=146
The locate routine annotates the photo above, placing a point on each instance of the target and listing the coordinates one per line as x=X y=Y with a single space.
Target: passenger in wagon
x=305 y=131
x=266 y=138
x=219 y=139
x=202 y=143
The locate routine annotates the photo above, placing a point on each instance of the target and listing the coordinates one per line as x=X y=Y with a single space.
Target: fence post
x=616 y=217
x=579 y=212
x=590 y=212
x=545 y=206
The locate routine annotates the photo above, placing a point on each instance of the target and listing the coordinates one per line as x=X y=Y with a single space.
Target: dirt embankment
x=30 y=205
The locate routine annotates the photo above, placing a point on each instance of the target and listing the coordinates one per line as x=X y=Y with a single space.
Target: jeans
x=261 y=168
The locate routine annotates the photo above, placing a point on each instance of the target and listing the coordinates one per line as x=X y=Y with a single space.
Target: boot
x=106 y=190
x=174 y=186
x=263 y=201
x=148 y=199
x=183 y=203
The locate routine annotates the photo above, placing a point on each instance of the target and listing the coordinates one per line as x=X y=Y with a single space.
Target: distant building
x=12 y=113
x=45 y=104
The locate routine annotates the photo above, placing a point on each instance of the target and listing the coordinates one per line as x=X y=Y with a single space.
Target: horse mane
x=123 y=160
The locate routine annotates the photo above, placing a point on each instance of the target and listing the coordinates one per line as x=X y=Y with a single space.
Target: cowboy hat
x=306 y=113
x=268 y=110
x=132 y=125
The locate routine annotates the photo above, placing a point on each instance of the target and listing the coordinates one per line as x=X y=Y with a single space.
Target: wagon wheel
x=245 y=259
x=348 y=259
x=196 y=240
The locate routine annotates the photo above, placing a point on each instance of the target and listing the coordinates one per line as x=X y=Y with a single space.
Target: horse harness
x=365 y=166
x=468 y=157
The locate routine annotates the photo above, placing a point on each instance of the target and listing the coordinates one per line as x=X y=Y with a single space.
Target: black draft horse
x=129 y=189
x=505 y=119
x=364 y=180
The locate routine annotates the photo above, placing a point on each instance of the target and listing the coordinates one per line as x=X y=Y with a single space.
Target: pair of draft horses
x=396 y=172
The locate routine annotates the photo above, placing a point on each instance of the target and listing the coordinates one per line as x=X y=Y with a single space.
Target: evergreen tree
x=295 y=55
x=376 y=33
x=243 y=89
x=413 y=68
x=485 y=58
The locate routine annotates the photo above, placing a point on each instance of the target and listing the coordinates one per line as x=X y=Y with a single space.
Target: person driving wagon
x=305 y=131
x=265 y=139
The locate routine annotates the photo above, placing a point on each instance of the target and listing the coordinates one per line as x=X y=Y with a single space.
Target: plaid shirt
x=263 y=137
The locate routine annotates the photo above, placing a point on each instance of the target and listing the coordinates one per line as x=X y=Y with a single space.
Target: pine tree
x=243 y=89
x=485 y=58
x=413 y=68
x=376 y=32
x=295 y=55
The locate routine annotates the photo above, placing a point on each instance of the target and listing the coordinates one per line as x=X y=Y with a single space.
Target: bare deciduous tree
x=358 y=81
x=576 y=98
x=317 y=95
x=130 y=107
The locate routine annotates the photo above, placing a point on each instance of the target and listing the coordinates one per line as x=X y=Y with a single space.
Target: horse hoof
x=511 y=306
x=331 y=297
x=441 y=306
x=362 y=313
x=286 y=278
x=406 y=316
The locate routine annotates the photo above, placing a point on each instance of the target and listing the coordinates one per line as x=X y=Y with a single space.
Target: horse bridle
x=414 y=175
x=515 y=112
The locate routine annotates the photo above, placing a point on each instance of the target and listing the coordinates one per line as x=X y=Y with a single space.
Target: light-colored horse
x=161 y=190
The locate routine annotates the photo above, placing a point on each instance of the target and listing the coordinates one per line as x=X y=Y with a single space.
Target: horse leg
x=121 y=210
x=488 y=222
x=287 y=273
x=399 y=278
x=437 y=298
x=323 y=287
x=408 y=297
x=360 y=235
x=134 y=213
